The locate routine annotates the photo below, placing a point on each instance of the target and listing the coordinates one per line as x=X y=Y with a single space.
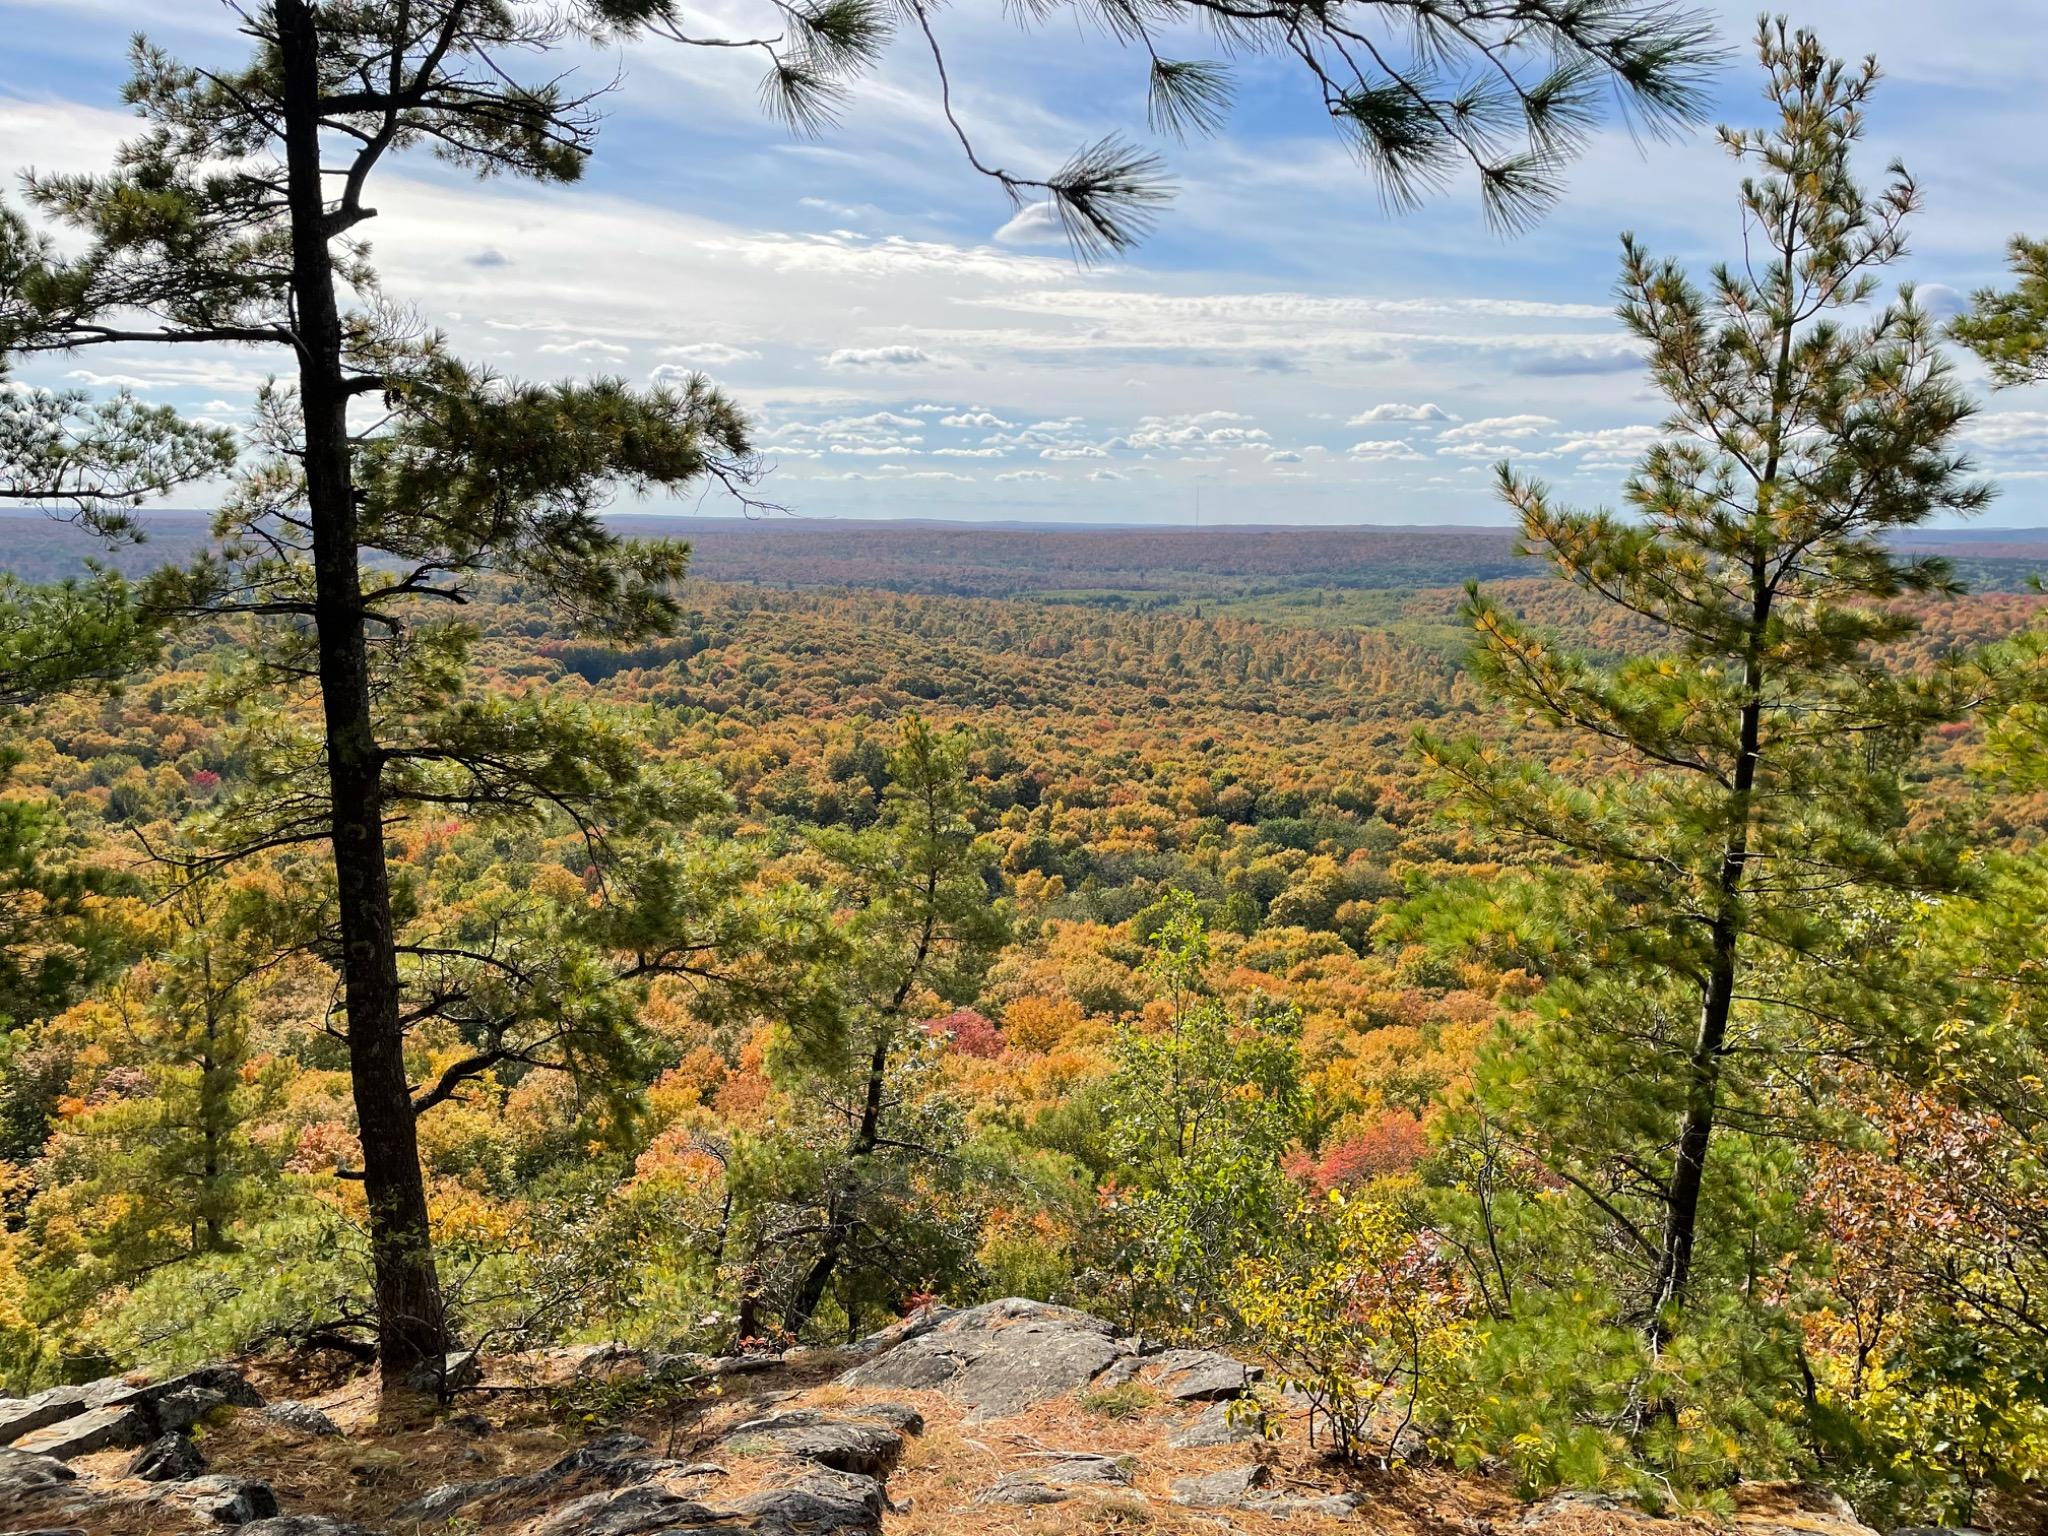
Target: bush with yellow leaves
x=1356 y=1310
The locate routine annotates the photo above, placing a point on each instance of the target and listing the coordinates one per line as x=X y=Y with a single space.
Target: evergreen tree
x=1737 y=803
x=462 y=471
x=154 y=1166
x=1198 y=1113
x=922 y=926
x=91 y=462
x=2009 y=329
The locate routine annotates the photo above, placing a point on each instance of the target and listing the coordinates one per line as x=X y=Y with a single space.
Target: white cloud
x=975 y=419
x=583 y=344
x=2011 y=431
x=1492 y=451
x=1083 y=354
x=710 y=354
x=1611 y=447
x=1395 y=411
x=1033 y=224
x=1104 y=474
x=878 y=357
x=1380 y=451
x=872 y=419
x=1497 y=426
x=1016 y=476
x=1199 y=429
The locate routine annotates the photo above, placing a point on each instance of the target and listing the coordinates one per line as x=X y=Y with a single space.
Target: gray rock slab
x=223 y=1500
x=1000 y=1358
x=303 y=1417
x=1224 y=1489
x=97 y=1429
x=818 y=1502
x=632 y=1512
x=1057 y=1481
x=844 y=1445
x=27 y=1480
x=1199 y=1375
x=438 y=1503
x=24 y=1415
x=1212 y=1426
x=168 y=1459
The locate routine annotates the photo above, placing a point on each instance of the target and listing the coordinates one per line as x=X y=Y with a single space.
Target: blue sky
x=1282 y=350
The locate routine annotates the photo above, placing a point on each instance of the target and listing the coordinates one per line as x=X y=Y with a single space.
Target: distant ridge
x=1095 y=562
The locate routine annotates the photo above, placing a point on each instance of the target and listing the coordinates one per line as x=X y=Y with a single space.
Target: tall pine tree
x=1735 y=799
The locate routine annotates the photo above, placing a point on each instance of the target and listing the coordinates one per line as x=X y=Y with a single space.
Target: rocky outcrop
x=1213 y=1426
x=168 y=1460
x=303 y=1417
x=826 y=1475
x=1000 y=1359
x=1064 y=1475
x=816 y=1502
x=119 y=1413
x=800 y=1452
x=97 y=1429
x=220 y=1500
x=1005 y=1357
x=865 y=1447
x=23 y=1474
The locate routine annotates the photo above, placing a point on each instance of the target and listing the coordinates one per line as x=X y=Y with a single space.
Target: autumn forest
x=1564 y=999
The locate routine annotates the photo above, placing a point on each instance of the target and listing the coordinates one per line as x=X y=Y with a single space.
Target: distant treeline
x=1113 y=567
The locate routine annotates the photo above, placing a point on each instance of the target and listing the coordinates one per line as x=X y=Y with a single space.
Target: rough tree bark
x=412 y=1326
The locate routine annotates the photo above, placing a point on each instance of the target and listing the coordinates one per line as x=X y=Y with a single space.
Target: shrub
x=1357 y=1311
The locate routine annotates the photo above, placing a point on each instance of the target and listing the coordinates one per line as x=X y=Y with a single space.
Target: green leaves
x=75 y=632
x=1187 y=97
x=1198 y=1111
x=95 y=461
x=1730 y=800
x=2009 y=328
x=1107 y=196
x=475 y=473
x=924 y=918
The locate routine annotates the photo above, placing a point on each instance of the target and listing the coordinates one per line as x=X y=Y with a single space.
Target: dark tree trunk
x=1703 y=1068
x=837 y=1227
x=1702 y=1105
x=411 y=1324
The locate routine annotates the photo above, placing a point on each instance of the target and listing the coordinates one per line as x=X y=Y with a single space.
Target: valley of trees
x=1586 y=1026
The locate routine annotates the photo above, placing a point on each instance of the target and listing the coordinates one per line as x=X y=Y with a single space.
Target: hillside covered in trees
x=1485 y=1012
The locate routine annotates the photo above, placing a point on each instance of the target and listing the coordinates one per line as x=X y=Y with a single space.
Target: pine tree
x=1736 y=803
x=922 y=925
x=154 y=1166
x=1198 y=1113
x=465 y=471
x=2009 y=329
